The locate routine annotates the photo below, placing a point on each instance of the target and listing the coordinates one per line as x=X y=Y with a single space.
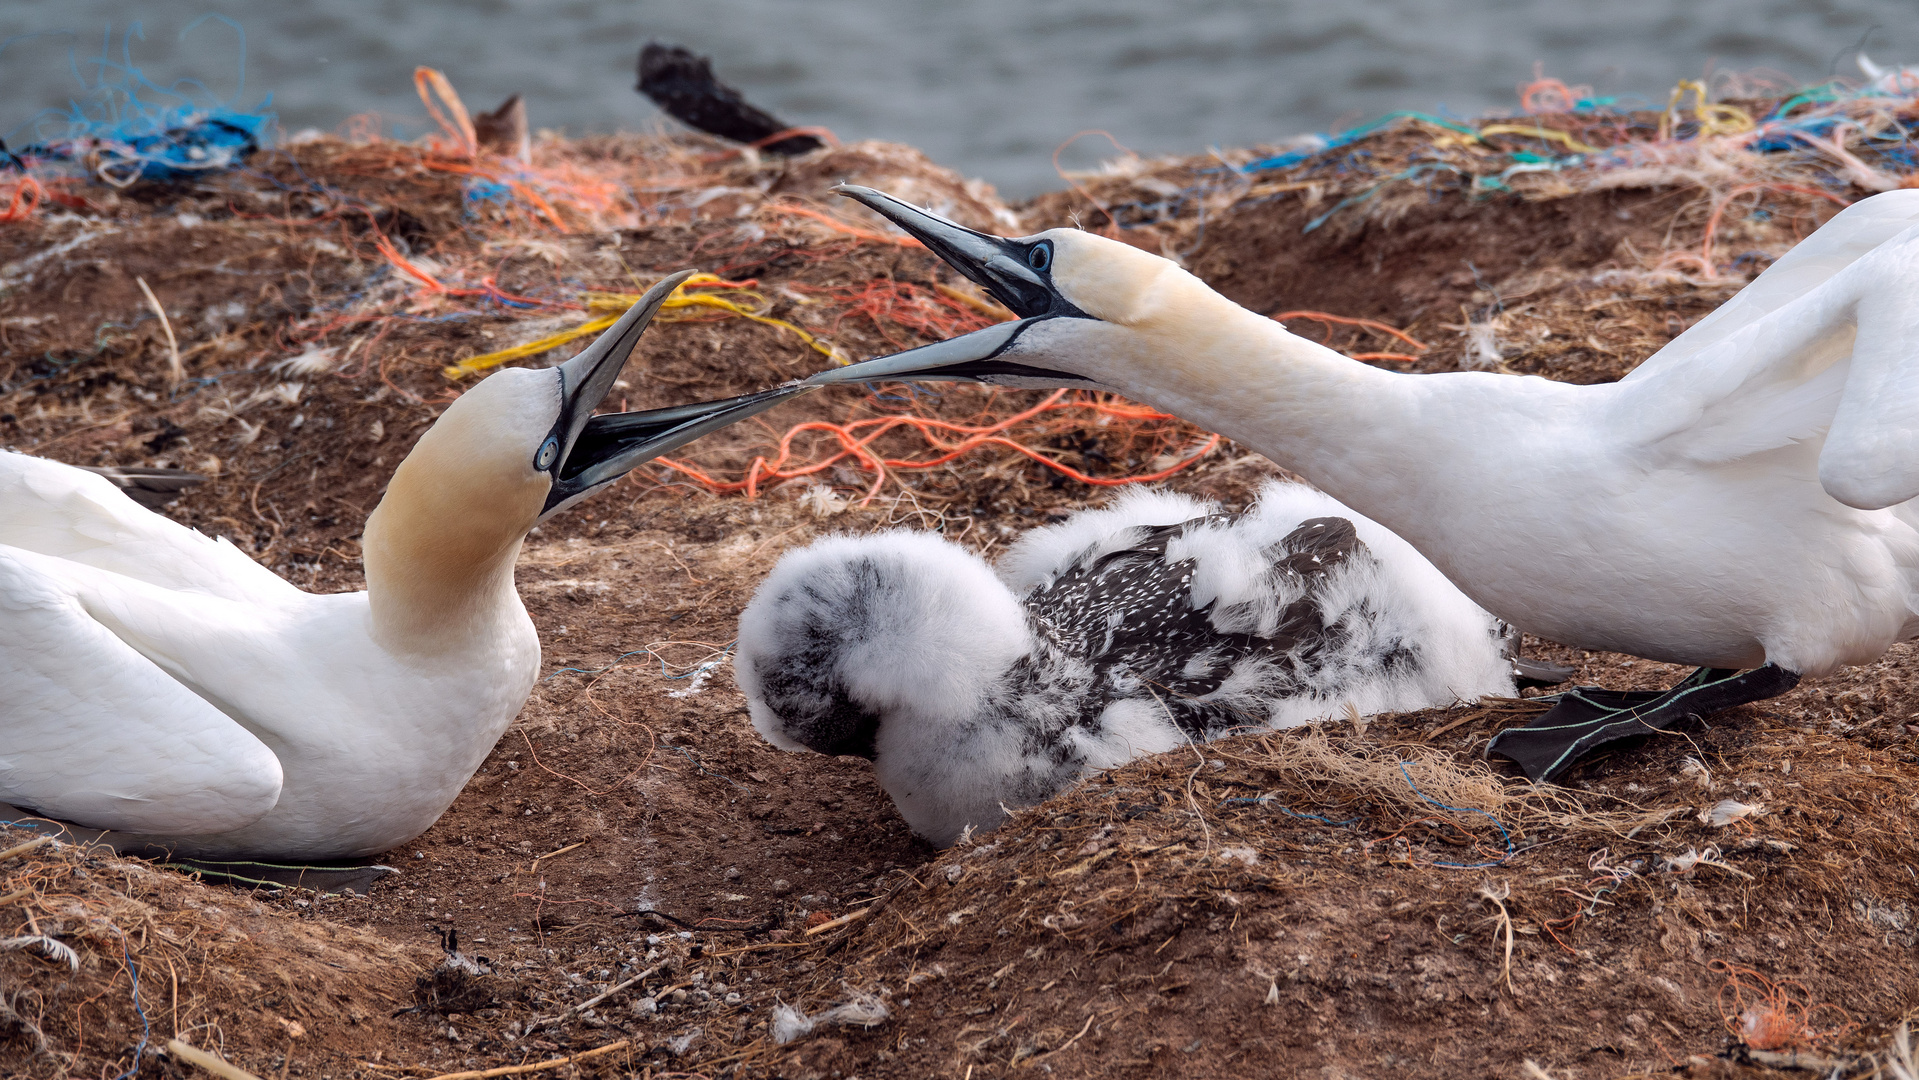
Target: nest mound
x=634 y=872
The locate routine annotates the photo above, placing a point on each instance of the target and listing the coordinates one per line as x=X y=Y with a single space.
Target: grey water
x=990 y=87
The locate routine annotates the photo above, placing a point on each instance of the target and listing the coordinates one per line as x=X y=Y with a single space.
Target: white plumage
x=1120 y=632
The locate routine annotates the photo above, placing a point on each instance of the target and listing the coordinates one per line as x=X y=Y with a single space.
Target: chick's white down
x=1120 y=632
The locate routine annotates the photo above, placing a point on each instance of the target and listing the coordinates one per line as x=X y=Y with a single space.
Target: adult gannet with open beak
x=161 y=684
x=1739 y=502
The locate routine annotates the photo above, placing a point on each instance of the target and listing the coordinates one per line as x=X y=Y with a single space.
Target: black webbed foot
x=1528 y=674
x=1585 y=718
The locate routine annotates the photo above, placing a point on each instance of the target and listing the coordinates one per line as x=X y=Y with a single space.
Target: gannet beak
x=997 y=264
x=613 y=444
x=586 y=379
x=597 y=450
x=1002 y=266
x=970 y=357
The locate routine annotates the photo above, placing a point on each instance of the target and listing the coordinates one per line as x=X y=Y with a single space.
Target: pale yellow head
x=1114 y=282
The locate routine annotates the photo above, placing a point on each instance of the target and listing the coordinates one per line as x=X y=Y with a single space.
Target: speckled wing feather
x=1130 y=614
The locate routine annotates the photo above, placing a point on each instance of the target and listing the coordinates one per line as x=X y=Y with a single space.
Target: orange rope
x=837 y=225
x=888 y=303
x=454 y=120
x=855 y=439
x=23 y=200
x=1768 y=1015
x=1368 y=324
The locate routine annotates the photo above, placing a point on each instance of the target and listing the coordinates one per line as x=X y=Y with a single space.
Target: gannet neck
x=1206 y=359
x=432 y=589
x=440 y=547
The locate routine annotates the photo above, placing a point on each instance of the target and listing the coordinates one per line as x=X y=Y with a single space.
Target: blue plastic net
x=124 y=128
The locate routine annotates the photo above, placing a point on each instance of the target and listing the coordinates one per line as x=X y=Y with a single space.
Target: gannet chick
x=1117 y=633
x=161 y=685
x=1745 y=501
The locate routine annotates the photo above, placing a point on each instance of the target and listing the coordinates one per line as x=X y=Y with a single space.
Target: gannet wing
x=151 y=488
x=1836 y=367
x=69 y=513
x=93 y=732
x=1043 y=554
x=1853 y=232
x=1870 y=459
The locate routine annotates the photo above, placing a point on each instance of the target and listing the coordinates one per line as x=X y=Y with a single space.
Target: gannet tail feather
x=151 y=488
x=80 y=515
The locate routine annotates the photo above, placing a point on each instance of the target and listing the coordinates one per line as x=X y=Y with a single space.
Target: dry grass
x=102 y=959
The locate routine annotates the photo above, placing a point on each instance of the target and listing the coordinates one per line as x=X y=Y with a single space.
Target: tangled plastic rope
x=947 y=440
x=123 y=128
x=1373 y=325
x=1775 y=1015
x=683 y=304
x=497 y=177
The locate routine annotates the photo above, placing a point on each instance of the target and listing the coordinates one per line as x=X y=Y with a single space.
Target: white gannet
x=1117 y=633
x=1739 y=502
x=162 y=685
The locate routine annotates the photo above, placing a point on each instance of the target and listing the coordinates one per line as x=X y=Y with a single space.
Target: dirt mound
x=111 y=958
x=634 y=870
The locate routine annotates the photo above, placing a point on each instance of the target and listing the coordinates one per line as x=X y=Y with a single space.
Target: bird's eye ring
x=549 y=450
x=1040 y=257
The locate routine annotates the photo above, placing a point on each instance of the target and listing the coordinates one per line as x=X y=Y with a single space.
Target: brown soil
x=1146 y=923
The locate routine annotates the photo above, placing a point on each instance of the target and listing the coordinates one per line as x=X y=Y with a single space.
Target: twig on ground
x=205 y=1059
x=1498 y=897
x=537 y=1023
x=536 y=1066
x=176 y=370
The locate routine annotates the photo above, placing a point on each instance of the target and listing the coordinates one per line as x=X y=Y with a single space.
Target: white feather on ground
x=1121 y=632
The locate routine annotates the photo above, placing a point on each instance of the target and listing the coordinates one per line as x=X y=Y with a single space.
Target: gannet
x=1117 y=633
x=162 y=685
x=1739 y=502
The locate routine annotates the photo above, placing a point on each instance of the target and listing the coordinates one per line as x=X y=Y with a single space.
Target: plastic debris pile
x=1741 y=137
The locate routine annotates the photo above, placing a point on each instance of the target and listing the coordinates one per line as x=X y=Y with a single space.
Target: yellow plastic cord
x=1536 y=132
x=618 y=303
x=1713 y=118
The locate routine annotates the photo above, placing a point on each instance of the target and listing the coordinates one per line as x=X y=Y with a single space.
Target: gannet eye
x=549 y=450
x=1040 y=257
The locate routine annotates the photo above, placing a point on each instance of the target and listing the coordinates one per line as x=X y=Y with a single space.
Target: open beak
x=997 y=264
x=614 y=444
x=994 y=263
x=597 y=450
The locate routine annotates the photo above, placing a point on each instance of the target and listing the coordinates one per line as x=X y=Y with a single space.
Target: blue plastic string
x=1267 y=800
x=1504 y=835
x=146 y=1027
x=138 y=130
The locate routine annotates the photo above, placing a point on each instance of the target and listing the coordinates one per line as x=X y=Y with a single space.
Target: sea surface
x=991 y=87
